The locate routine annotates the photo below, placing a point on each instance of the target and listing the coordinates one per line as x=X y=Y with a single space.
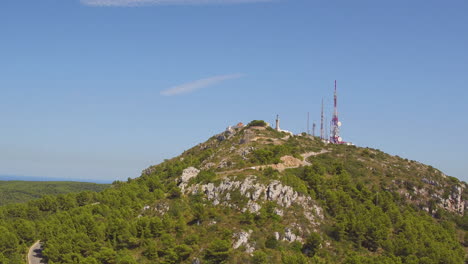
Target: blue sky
x=101 y=89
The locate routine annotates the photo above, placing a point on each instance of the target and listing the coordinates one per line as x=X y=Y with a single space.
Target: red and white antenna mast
x=335 y=129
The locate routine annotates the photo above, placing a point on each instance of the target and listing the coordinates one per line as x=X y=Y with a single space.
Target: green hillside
x=253 y=195
x=23 y=191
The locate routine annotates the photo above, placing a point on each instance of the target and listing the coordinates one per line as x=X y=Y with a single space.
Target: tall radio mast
x=322 y=136
x=335 y=129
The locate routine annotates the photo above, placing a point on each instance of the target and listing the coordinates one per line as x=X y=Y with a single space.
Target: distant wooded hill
x=23 y=191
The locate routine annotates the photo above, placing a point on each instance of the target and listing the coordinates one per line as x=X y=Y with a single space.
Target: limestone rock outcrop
x=187 y=174
x=255 y=194
x=242 y=239
x=455 y=202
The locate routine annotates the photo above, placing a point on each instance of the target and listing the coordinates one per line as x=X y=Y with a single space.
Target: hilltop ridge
x=256 y=148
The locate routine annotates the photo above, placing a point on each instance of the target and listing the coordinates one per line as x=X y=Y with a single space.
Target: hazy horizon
x=51 y=179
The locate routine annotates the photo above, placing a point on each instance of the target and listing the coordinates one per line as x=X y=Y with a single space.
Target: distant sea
x=30 y=178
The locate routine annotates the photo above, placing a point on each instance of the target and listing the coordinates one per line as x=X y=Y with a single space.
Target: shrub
x=218 y=251
x=151 y=251
x=204 y=177
x=260 y=257
x=183 y=251
x=265 y=156
x=295 y=182
x=271 y=242
x=312 y=244
x=260 y=123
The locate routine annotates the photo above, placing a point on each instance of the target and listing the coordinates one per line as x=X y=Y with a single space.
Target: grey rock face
x=187 y=174
x=148 y=171
x=252 y=207
x=455 y=203
x=223 y=164
x=277 y=235
x=208 y=165
x=241 y=238
x=290 y=236
x=255 y=192
x=284 y=195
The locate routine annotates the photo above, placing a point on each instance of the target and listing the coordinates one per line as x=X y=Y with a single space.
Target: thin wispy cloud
x=165 y=2
x=198 y=84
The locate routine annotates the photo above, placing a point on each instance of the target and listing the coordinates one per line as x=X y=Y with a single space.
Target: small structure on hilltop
x=238 y=126
x=277 y=128
x=230 y=131
x=277 y=123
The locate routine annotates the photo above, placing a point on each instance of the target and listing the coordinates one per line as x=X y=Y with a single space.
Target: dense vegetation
x=259 y=123
x=23 y=191
x=149 y=220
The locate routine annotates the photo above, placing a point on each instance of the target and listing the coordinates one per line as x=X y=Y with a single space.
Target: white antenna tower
x=322 y=135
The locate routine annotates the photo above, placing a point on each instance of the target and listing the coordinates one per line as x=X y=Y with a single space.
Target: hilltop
x=255 y=195
x=253 y=149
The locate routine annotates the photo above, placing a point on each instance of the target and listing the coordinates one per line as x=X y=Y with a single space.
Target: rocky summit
x=252 y=194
